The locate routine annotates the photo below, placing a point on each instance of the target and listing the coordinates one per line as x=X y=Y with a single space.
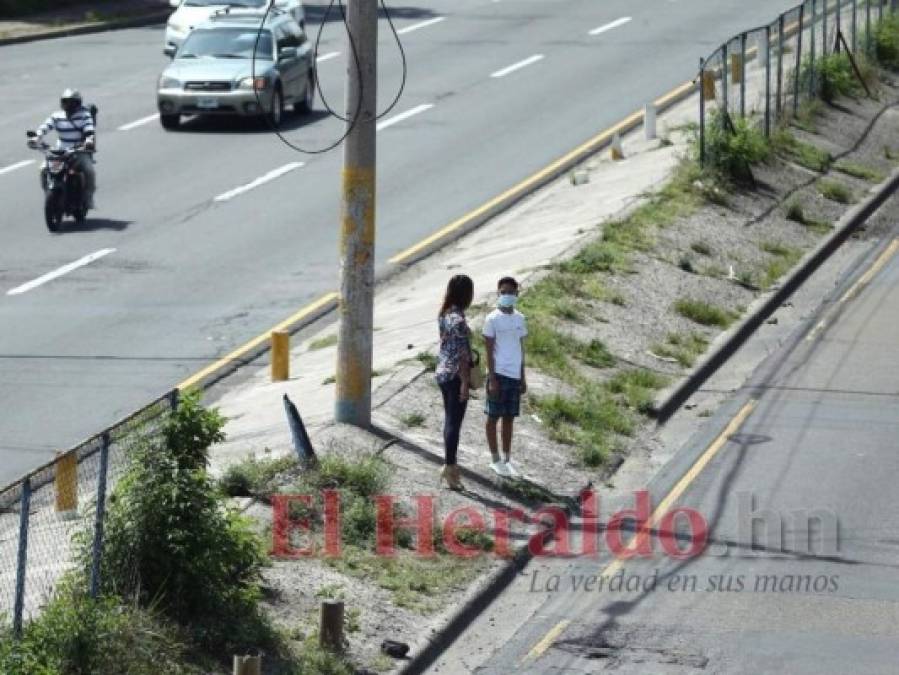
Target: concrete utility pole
x=357 y=217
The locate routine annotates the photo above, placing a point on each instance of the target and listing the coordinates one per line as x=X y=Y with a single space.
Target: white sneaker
x=512 y=469
x=500 y=469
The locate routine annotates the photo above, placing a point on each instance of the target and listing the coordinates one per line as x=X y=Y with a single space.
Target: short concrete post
x=649 y=121
x=280 y=355
x=247 y=665
x=66 y=482
x=330 y=634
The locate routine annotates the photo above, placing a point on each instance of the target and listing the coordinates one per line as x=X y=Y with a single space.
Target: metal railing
x=768 y=72
x=52 y=519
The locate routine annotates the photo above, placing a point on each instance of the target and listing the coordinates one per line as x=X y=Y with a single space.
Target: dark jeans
x=454 y=413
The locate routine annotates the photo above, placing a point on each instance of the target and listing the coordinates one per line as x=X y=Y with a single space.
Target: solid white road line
x=423 y=24
x=140 y=122
x=65 y=269
x=611 y=26
x=17 y=165
x=390 y=121
x=262 y=180
x=517 y=66
x=327 y=57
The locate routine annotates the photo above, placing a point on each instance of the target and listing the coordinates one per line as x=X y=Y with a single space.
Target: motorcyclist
x=74 y=126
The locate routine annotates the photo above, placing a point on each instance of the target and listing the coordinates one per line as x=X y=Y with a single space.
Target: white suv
x=190 y=13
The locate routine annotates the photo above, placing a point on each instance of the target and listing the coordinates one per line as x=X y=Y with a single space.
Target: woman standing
x=453 y=370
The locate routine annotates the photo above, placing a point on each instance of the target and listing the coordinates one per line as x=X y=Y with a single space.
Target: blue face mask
x=506 y=301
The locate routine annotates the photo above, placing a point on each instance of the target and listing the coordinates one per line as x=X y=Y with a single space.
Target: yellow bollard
x=617 y=151
x=66 y=482
x=708 y=85
x=280 y=355
x=736 y=68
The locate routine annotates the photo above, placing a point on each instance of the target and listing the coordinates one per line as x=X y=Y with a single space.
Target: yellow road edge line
x=856 y=288
x=590 y=145
x=878 y=265
x=547 y=641
x=675 y=493
x=245 y=348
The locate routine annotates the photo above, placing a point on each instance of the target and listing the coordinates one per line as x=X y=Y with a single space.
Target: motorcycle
x=64 y=193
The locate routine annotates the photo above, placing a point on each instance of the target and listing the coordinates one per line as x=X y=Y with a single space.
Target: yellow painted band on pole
x=280 y=355
x=66 y=482
x=359 y=191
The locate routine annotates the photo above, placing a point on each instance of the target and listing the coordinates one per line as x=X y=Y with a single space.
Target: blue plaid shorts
x=507 y=401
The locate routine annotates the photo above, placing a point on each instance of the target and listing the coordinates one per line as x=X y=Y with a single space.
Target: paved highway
x=799 y=497
x=168 y=277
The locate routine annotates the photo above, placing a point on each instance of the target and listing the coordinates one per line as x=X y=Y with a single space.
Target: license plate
x=207 y=103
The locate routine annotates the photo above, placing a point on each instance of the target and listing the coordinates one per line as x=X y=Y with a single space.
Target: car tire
x=276 y=115
x=305 y=106
x=170 y=122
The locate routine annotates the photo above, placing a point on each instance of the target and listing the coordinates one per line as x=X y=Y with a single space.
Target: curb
x=428 y=649
x=672 y=399
x=101 y=27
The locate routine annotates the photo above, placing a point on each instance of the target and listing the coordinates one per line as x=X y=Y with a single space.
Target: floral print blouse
x=455 y=344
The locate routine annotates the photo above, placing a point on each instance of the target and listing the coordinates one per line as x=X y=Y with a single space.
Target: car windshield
x=225 y=3
x=227 y=43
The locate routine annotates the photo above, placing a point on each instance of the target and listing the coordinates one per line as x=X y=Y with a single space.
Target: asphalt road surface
x=801 y=574
x=168 y=277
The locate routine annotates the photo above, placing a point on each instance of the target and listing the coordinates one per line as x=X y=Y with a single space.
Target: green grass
x=428 y=360
x=636 y=387
x=591 y=419
x=835 y=191
x=254 y=476
x=731 y=151
x=796 y=213
x=415 y=583
x=801 y=153
x=701 y=248
x=785 y=258
x=412 y=420
x=685 y=347
x=858 y=170
x=323 y=343
x=704 y=313
x=807 y=116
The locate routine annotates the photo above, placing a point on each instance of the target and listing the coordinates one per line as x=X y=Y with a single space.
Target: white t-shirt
x=507 y=330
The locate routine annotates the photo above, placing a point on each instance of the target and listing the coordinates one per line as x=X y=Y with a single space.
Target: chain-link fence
x=52 y=520
x=766 y=73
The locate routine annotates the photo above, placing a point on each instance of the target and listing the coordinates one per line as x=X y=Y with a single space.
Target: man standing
x=504 y=331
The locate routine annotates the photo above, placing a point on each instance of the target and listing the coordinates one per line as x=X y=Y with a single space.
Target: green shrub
x=685 y=348
x=171 y=544
x=75 y=634
x=886 y=42
x=254 y=476
x=731 y=151
x=428 y=360
x=704 y=313
x=835 y=77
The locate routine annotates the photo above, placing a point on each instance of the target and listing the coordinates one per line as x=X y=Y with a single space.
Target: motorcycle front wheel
x=53 y=211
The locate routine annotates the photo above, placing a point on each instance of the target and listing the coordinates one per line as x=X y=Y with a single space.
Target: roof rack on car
x=241 y=12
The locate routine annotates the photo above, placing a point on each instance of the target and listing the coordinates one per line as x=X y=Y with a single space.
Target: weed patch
x=684 y=347
x=835 y=191
x=858 y=170
x=704 y=313
x=804 y=154
x=323 y=343
x=254 y=476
